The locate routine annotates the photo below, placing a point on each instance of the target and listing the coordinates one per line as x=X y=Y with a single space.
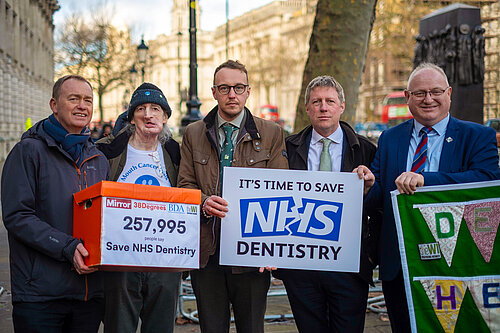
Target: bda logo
x=281 y=216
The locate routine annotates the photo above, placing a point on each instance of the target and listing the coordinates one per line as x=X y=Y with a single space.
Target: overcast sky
x=152 y=17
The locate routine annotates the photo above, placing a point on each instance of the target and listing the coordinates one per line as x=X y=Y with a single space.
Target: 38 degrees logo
x=119 y=203
x=281 y=216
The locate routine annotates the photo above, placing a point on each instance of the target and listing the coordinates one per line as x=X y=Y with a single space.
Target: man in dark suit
x=432 y=149
x=324 y=301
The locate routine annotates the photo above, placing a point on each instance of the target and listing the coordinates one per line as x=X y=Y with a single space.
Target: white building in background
x=272 y=41
x=26 y=66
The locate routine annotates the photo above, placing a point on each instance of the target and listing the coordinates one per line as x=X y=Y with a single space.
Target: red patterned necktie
x=420 y=156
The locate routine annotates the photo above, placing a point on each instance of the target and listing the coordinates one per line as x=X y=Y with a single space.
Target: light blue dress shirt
x=435 y=140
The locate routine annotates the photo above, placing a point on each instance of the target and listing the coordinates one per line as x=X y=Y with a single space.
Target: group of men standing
x=54 y=291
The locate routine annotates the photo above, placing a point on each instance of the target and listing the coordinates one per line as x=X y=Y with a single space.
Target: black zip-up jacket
x=38 y=182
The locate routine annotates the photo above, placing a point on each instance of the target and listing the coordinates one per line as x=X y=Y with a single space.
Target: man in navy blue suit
x=432 y=149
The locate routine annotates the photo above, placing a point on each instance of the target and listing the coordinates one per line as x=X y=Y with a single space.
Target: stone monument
x=452 y=38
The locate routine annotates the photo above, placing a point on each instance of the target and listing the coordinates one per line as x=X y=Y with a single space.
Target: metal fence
x=375 y=304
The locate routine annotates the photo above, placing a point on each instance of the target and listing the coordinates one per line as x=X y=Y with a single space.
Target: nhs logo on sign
x=282 y=216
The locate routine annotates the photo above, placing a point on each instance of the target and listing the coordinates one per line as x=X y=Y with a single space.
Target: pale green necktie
x=325 y=160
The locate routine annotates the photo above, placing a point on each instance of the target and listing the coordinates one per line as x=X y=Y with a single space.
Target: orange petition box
x=132 y=227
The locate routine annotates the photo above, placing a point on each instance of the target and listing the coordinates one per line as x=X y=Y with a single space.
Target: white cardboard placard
x=292 y=219
x=149 y=233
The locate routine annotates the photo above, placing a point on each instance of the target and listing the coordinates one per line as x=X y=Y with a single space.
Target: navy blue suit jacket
x=469 y=154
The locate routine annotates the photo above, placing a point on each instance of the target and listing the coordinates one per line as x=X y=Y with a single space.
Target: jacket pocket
x=259 y=159
x=200 y=158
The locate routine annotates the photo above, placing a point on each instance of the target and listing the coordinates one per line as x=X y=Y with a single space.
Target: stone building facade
x=26 y=66
x=490 y=16
x=273 y=42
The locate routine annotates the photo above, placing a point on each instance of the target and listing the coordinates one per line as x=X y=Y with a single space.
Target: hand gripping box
x=132 y=227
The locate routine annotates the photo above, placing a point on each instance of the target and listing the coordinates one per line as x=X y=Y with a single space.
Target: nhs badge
x=311 y=218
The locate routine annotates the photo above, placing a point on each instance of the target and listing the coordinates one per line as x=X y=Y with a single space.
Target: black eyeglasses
x=224 y=89
x=420 y=94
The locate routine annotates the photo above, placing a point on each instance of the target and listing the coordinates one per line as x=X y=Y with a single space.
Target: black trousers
x=152 y=296
x=397 y=306
x=325 y=302
x=216 y=288
x=58 y=316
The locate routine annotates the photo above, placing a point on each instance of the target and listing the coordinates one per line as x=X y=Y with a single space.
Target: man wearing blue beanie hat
x=145 y=93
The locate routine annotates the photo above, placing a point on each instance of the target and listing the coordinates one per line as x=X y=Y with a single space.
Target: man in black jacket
x=324 y=301
x=52 y=288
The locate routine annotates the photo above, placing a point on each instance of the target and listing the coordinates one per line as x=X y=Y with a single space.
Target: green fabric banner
x=451 y=256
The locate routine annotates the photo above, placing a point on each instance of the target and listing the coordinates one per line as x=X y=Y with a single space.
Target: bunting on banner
x=482 y=220
x=486 y=295
x=446 y=298
x=444 y=223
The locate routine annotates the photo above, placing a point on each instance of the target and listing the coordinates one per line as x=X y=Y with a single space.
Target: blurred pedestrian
x=106 y=130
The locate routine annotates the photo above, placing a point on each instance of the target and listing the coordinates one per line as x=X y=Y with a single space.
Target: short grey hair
x=163 y=136
x=324 y=81
x=426 y=65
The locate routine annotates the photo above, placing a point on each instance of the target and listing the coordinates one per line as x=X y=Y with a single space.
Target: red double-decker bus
x=394 y=109
x=269 y=112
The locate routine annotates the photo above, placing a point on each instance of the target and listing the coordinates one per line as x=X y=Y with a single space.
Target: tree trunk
x=100 y=95
x=337 y=47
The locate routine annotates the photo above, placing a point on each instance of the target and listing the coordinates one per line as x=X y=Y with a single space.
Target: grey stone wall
x=26 y=66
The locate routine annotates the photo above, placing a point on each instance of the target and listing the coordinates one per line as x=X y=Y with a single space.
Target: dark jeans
x=152 y=296
x=326 y=302
x=216 y=288
x=58 y=316
x=397 y=306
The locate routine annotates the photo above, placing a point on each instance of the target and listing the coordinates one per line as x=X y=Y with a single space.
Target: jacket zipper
x=80 y=187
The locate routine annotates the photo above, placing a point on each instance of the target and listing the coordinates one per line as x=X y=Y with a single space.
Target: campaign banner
x=149 y=233
x=450 y=256
x=292 y=219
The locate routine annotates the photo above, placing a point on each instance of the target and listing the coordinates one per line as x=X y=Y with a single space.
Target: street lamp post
x=142 y=52
x=179 y=36
x=133 y=75
x=193 y=104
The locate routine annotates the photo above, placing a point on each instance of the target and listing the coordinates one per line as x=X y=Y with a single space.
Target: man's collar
x=440 y=127
x=335 y=136
x=236 y=122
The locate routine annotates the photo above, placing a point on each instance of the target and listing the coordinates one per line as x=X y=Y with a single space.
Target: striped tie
x=420 y=157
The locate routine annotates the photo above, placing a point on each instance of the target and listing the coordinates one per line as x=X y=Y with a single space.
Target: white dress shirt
x=316 y=146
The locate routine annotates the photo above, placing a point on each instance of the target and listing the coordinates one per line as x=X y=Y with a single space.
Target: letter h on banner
x=451 y=298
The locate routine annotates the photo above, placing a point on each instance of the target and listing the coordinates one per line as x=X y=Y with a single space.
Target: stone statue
x=431 y=47
x=450 y=54
x=464 y=48
x=478 y=54
x=419 y=51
